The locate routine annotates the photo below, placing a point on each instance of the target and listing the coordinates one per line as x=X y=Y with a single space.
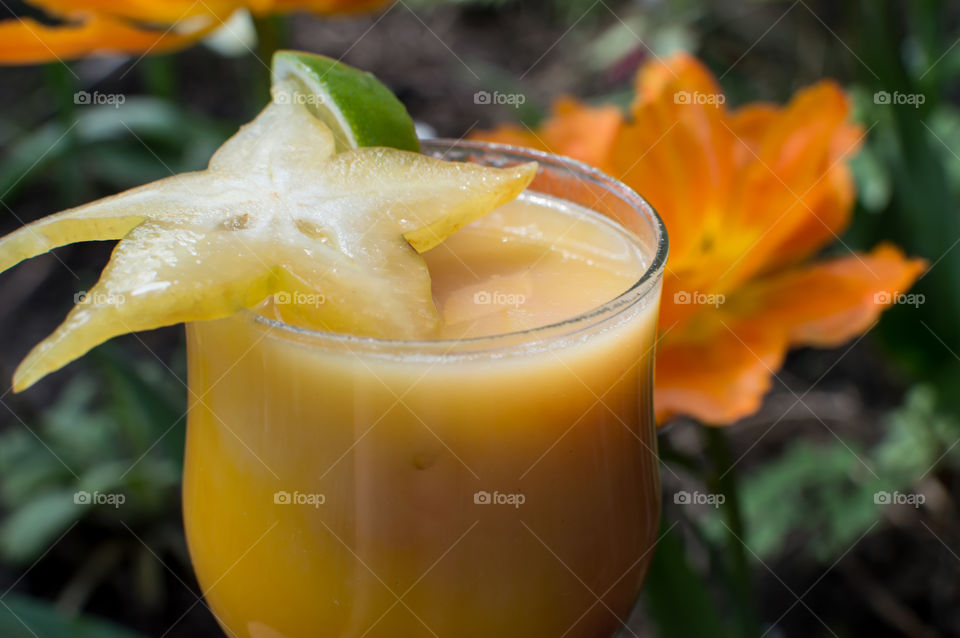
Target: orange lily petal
x=795 y=192
x=173 y=11
x=718 y=376
x=146 y=11
x=717 y=365
x=583 y=133
x=678 y=139
x=750 y=124
x=827 y=303
x=512 y=135
x=26 y=41
x=574 y=129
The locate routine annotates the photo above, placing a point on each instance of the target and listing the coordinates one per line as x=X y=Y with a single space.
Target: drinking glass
x=503 y=486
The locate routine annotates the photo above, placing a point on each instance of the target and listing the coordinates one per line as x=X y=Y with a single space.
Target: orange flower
x=749 y=196
x=136 y=26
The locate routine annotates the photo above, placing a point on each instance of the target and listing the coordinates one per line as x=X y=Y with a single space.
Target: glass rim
x=638 y=291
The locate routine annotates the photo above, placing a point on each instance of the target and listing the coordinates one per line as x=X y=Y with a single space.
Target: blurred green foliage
x=678 y=598
x=147 y=139
x=24 y=617
x=813 y=501
x=819 y=499
x=909 y=174
x=119 y=434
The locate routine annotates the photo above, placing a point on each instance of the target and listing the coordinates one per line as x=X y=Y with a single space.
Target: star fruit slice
x=278 y=213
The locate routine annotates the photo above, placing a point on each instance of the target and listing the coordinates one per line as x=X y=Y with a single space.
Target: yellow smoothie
x=478 y=485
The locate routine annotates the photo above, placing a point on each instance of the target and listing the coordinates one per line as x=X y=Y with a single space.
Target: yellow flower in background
x=749 y=197
x=136 y=26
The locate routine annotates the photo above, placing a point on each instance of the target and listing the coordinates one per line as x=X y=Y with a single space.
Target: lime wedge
x=358 y=109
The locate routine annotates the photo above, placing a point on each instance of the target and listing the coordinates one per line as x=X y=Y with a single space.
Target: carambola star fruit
x=279 y=209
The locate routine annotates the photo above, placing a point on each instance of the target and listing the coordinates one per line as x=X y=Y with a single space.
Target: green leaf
x=872 y=179
x=117 y=165
x=921 y=216
x=30 y=155
x=146 y=410
x=32 y=473
x=25 y=617
x=675 y=596
x=821 y=498
x=190 y=139
x=30 y=529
